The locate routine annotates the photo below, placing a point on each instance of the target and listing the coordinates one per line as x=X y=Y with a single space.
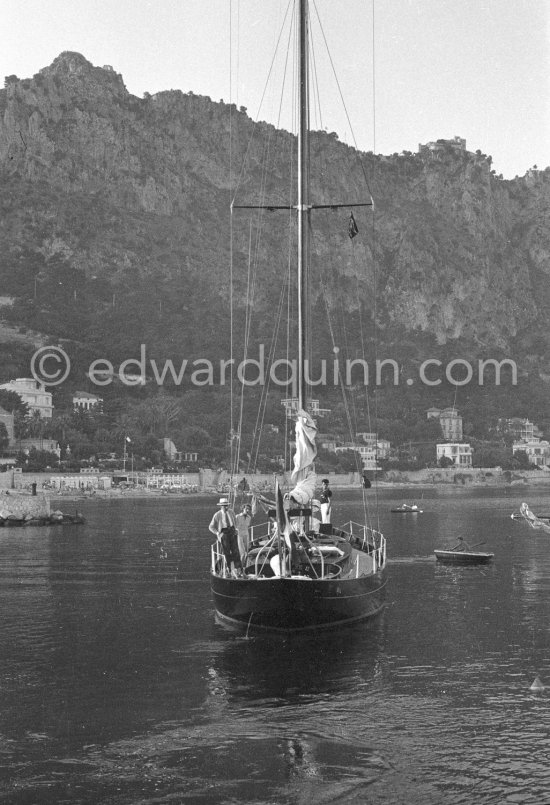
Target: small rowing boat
x=407 y=508
x=463 y=554
x=463 y=557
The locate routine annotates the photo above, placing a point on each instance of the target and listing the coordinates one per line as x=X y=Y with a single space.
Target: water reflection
x=117 y=685
x=283 y=670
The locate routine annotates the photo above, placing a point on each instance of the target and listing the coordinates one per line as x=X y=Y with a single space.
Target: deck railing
x=218 y=560
x=368 y=539
x=364 y=537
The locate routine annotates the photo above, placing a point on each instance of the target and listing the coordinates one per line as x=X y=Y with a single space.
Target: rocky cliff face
x=121 y=190
x=458 y=267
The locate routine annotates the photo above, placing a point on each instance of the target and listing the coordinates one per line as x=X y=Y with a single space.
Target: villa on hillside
x=537 y=450
x=367 y=437
x=521 y=429
x=460 y=454
x=450 y=422
x=367 y=444
x=84 y=401
x=291 y=407
x=438 y=147
x=33 y=393
x=369 y=454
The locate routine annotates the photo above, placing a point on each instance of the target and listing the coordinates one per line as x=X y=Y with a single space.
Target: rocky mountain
x=115 y=225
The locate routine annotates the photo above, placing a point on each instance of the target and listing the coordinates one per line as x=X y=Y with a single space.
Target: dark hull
x=463 y=557
x=291 y=605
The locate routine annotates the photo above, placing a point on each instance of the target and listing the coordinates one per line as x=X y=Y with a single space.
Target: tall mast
x=303 y=201
x=303 y=205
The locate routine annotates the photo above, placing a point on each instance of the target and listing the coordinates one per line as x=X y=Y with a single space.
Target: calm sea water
x=118 y=686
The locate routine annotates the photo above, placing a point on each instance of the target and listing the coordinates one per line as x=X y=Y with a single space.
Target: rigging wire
x=315 y=83
x=260 y=417
x=373 y=232
x=239 y=431
x=347 y=410
x=292 y=313
x=253 y=263
x=341 y=94
x=351 y=412
x=349 y=400
x=231 y=409
x=285 y=289
x=255 y=123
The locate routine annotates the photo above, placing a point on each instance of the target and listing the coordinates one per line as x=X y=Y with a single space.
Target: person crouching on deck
x=224 y=526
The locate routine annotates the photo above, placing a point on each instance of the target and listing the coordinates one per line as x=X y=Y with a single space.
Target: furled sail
x=303 y=474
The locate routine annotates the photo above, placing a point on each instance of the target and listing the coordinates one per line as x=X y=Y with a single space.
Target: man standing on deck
x=224 y=526
x=244 y=519
x=325 y=500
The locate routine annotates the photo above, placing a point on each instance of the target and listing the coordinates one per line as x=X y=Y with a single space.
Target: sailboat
x=300 y=574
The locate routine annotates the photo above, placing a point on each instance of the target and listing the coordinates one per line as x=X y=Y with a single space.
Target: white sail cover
x=532 y=519
x=303 y=474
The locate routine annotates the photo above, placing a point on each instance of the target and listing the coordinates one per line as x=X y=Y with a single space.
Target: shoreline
x=421 y=486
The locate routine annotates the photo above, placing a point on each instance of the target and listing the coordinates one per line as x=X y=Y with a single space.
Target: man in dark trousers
x=325 y=501
x=224 y=526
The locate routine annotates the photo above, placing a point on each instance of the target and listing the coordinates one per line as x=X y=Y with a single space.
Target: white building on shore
x=84 y=401
x=459 y=453
x=537 y=450
x=33 y=393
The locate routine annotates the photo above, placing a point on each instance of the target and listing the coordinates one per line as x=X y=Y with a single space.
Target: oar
x=456 y=548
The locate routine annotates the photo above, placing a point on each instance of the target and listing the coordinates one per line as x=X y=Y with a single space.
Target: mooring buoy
x=537 y=684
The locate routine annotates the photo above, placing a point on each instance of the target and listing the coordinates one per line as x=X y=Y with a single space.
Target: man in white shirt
x=244 y=518
x=224 y=526
x=326 y=502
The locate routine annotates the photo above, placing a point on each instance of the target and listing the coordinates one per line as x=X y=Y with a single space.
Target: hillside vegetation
x=116 y=229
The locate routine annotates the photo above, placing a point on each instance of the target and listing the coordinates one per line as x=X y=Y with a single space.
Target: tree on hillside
x=193 y=438
x=37 y=460
x=491 y=454
x=12 y=402
x=4 y=440
x=521 y=460
x=35 y=424
x=157 y=414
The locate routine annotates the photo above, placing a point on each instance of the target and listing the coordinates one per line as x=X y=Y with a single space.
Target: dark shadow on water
x=287 y=668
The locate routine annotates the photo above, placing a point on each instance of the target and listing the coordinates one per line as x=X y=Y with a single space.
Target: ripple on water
x=117 y=686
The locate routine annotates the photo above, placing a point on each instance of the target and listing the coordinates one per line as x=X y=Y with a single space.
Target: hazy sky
x=410 y=70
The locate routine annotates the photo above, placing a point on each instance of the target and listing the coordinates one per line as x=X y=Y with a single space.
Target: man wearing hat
x=224 y=526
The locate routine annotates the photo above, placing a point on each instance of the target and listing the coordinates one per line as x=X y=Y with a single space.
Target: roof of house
x=85 y=395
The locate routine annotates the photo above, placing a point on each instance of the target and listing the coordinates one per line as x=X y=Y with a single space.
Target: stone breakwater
x=55 y=518
x=19 y=506
x=19 y=509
